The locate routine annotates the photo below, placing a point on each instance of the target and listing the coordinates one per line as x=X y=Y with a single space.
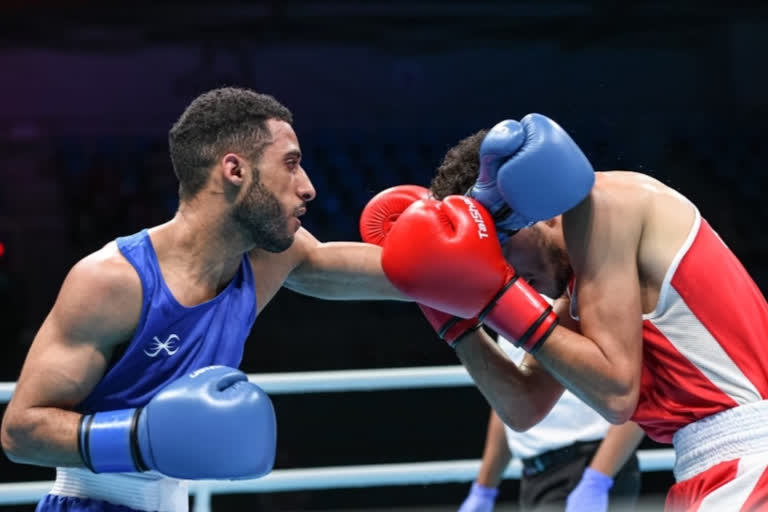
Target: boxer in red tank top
x=659 y=323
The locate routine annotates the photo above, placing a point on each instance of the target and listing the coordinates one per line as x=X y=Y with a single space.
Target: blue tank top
x=172 y=340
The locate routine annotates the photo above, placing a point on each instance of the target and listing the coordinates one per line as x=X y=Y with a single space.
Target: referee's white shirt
x=570 y=420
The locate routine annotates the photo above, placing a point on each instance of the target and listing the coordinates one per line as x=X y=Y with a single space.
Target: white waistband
x=727 y=435
x=140 y=491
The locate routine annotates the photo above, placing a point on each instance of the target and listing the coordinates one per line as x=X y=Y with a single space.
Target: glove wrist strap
x=521 y=315
x=108 y=441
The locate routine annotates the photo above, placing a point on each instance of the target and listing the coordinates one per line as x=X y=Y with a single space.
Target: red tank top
x=704 y=346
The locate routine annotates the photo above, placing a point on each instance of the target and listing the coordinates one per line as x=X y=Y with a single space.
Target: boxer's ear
x=232 y=166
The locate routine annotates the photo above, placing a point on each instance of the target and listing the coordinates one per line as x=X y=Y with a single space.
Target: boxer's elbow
x=619 y=405
x=532 y=401
x=18 y=436
x=521 y=420
x=514 y=421
x=14 y=434
x=619 y=411
x=519 y=423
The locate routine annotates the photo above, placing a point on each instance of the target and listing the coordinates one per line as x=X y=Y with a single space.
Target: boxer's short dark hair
x=459 y=168
x=220 y=121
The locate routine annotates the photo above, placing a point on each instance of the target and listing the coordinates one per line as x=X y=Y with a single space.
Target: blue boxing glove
x=500 y=143
x=212 y=423
x=591 y=493
x=480 y=499
x=546 y=175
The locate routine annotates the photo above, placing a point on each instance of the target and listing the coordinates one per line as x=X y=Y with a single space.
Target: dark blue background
x=379 y=91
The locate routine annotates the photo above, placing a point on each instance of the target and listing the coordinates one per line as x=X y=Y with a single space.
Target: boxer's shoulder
x=614 y=211
x=619 y=205
x=664 y=215
x=106 y=272
x=101 y=293
x=623 y=189
x=629 y=189
x=604 y=232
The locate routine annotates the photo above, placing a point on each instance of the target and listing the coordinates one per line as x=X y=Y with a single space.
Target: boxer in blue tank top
x=131 y=382
x=172 y=340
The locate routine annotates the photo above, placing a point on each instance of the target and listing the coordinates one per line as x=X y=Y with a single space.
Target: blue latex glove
x=480 y=499
x=591 y=494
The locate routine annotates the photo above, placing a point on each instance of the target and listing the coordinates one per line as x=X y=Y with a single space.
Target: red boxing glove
x=445 y=254
x=381 y=212
x=378 y=217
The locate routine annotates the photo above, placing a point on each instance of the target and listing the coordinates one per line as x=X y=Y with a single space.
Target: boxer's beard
x=557 y=264
x=261 y=216
x=562 y=268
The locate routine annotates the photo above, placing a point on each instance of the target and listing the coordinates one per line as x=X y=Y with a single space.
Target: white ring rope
x=343 y=380
x=337 y=477
x=281 y=480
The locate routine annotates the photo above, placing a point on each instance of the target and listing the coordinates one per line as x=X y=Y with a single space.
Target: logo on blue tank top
x=170 y=346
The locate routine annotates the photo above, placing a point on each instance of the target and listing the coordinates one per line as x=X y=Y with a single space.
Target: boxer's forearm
x=607 y=381
x=43 y=436
x=519 y=396
x=344 y=271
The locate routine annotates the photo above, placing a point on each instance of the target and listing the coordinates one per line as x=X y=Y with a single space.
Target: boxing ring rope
x=335 y=477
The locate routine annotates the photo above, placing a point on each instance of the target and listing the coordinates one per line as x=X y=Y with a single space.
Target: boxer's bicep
x=608 y=295
x=60 y=369
x=522 y=395
x=98 y=307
